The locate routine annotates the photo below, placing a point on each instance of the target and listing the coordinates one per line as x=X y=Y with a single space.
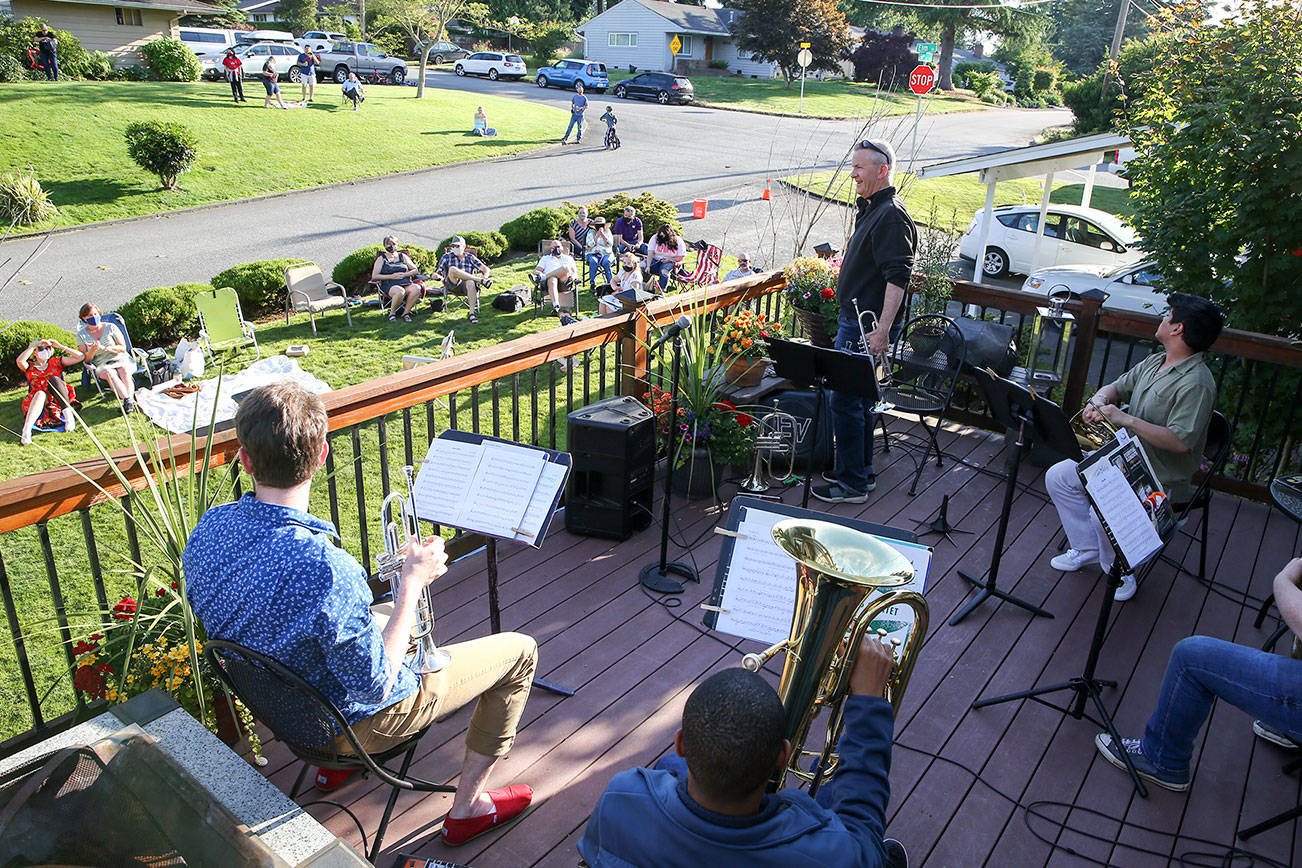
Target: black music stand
x=1012 y=405
x=807 y=365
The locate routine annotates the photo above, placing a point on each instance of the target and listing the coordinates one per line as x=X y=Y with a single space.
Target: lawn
x=963 y=195
x=71 y=133
x=823 y=99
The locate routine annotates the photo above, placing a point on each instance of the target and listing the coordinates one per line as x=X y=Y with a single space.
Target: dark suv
x=663 y=87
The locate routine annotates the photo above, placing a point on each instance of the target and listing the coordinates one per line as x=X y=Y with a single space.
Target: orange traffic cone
x=766 y=195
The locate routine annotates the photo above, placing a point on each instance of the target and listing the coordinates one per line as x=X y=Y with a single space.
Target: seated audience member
x=628 y=233
x=103 y=345
x=481 y=124
x=628 y=278
x=1172 y=394
x=743 y=268
x=667 y=254
x=600 y=251
x=265 y=573
x=1202 y=669
x=394 y=271
x=354 y=91
x=577 y=232
x=556 y=272
x=50 y=401
x=462 y=270
x=708 y=805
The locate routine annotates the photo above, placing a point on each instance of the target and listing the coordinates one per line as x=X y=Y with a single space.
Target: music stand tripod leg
x=495 y=614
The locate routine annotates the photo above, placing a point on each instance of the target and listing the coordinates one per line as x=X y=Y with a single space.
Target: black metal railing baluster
x=601 y=369
x=60 y=606
x=20 y=647
x=551 y=409
x=382 y=429
x=133 y=540
x=452 y=412
x=363 y=532
x=332 y=488
x=587 y=386
x=474 y=409
x=515 y=406
x=533 y=405
x=496 y=408
x=408 y=456
x=1262 y=415
x=92 y=557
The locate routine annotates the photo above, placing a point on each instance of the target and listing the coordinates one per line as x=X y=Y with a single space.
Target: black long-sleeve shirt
x=880 y=251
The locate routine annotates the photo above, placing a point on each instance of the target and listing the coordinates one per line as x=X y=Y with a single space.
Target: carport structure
x=1085 y=152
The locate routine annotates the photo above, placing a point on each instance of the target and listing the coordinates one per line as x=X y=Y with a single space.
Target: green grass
x=72 y=135
x=966 y=195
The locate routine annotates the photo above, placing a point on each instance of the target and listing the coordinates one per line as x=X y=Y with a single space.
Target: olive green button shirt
x=1181 y=398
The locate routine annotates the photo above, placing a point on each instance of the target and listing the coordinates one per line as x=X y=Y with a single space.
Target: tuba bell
x=838 y=569
x=426 y=656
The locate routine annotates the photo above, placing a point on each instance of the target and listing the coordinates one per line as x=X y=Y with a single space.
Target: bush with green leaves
x=354 y=271
x=963 y=70
x=134 y=72
x=1044 y=79
x=162 y=149
x=22 y=199
x=16 y=336
x=525 y=231
x=719 y=63
x=984 y=84
x=98 y=66
x=653 y=212
x=490 y=245
x=260 y=285
x=16 y=36
x=11 y=69
x=171 y=60
x=1135 y=64
x=163 y=315
x=546 y=39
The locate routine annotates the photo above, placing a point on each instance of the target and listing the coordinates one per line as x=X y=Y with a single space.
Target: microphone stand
x=659 y=576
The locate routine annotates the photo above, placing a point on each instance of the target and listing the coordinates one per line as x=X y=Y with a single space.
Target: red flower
x=160 y=592
x=725 y=405
x=95 y=637
x=91 y=680
x=175 y=586
x=125 y=608
x=83 y=648
x=828 y=292
x=743 y=420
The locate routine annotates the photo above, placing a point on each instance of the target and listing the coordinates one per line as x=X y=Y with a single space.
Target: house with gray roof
x=639 y=32
x=118 y=27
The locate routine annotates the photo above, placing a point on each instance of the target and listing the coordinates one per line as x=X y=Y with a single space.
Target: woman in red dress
x=50 y=400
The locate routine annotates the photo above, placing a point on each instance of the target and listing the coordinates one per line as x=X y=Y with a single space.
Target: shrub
x=134 y=72
x=525 y=231
x=653 y=212
x=162 y=149
x=22 y=201
x=163 y=315
x=171 y=60
x=984 y=84
x=98 y=66
x=546 y=39
x=14 y=338
x=11 y=69
x=18 y=36
x=260 y=285
x=963 y=70
x=491 y=245
x=719 y=63
x=1044 y=80
x=354 y=270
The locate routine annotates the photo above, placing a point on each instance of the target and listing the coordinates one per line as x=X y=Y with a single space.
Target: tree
x=1084 y=97
x=230 y=17
x=300 y=15
x=546 y=38
x=423 y=22
x=1083 y=31
x=1217 y=180
x=885 y=58
x=773 y=30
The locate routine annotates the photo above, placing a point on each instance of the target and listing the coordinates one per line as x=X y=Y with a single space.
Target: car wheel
x=341 y=74
x=438 y=58
x=295 y=74
x=398 y=75
x=492 y=75
x=995 y=263
x=663 y=97
x=460 y=70
x=621 y=92
x=542 y=80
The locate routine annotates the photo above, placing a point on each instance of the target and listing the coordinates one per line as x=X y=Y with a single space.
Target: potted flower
x=741 y=337
x=811 y=291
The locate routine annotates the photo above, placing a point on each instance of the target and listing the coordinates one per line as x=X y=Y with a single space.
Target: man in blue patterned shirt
x=265 y=573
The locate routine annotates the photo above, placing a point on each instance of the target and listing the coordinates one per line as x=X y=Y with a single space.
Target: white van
x=246 y=36
x=205 y=41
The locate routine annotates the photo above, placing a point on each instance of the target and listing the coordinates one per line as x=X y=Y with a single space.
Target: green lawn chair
x=221 y=322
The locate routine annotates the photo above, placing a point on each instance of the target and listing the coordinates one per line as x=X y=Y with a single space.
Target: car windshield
x=515 y=58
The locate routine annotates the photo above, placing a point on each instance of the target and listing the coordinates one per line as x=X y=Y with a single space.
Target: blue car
x=568 y=73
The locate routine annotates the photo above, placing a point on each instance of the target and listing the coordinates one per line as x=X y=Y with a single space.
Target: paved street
x=678 y=153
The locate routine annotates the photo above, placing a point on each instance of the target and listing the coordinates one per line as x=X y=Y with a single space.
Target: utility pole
x=1116 y=47
x=362 y=4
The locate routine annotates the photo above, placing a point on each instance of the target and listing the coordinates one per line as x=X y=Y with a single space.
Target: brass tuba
x=837 y=571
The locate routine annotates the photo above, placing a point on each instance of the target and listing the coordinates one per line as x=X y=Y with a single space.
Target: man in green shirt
x=1171 y=396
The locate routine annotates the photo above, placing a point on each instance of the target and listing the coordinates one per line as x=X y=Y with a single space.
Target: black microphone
x=670 y=333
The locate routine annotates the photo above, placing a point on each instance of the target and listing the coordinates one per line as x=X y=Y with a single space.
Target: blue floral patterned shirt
x=269 y=578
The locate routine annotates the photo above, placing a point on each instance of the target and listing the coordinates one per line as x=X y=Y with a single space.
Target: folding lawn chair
x=706 y=272
x=307 y=290
x=221 y=322
x=88 y=377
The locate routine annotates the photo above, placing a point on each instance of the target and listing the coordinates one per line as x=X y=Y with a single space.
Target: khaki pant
x=497 y=669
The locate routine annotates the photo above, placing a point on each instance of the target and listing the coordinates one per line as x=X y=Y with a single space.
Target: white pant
x=1084 y=532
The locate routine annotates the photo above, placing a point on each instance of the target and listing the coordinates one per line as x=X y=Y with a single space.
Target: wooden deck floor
x=633 y=661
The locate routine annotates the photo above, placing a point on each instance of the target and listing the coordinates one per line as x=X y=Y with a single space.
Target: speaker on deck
x=613 y=446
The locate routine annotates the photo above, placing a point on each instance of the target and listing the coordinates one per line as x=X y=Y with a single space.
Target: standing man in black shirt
x=874 y=274
x=48 y=44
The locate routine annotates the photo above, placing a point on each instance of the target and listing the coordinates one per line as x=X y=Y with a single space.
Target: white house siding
x=652 y=51
x=97 y=29
x=727 y=50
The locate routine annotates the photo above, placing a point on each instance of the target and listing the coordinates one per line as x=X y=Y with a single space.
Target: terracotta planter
x=698 y=477
x=746 y=372
x=814 y=328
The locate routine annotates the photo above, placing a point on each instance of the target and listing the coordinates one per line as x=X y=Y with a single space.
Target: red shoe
x=508 y=803
x=332 y=779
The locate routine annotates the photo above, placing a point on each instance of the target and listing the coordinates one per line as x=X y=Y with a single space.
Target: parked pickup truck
x=362 y=58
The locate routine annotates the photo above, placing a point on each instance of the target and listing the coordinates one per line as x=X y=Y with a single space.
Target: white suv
x=493 y=64
x=1072 y=236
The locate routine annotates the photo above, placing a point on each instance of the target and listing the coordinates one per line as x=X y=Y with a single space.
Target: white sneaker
x=26 y=438
x=1272 y=735
x=1127 y=588
x=69 y=421
x=1071 y=560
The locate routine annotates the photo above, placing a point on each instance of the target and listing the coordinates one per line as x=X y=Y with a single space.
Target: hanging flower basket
x=815 y=328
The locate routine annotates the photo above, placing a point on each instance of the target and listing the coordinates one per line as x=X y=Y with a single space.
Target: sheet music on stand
x=1123 y=489
x=490 y=486
x=754 y=594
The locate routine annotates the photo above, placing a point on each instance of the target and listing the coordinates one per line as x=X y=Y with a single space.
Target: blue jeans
x=852 y=421
x=1266 y=686
x=576 y=122
x=601 y=261
x=663 y=269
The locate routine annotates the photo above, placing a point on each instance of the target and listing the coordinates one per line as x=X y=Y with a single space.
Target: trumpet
x=426 y=655
x=1091 y=435
x=881 y=367
x=837 y=571
x=777 y=436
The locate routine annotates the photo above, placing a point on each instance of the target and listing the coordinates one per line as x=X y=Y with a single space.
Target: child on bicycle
x=612 y=140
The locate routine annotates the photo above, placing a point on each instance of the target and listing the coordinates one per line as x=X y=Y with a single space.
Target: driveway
x=679 y=153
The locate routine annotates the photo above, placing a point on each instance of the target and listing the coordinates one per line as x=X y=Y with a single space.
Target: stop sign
x=921 y=79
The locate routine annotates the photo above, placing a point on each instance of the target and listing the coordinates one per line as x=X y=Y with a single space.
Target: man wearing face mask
x=557 y=272
x=462 y=270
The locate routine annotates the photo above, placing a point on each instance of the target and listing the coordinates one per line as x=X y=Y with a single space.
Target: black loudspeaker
x=613 y=446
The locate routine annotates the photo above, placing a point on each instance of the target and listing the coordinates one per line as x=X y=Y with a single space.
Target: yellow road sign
x=676 y=45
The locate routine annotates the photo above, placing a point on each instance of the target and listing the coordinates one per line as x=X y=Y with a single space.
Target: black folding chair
x=925 y=366
x=308 y=723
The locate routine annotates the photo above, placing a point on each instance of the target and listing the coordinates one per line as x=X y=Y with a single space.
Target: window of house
x=622 y=40
x=261 y=18
x=689 y=43
x=128 y=17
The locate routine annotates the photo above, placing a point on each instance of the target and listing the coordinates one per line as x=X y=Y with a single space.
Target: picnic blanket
x=195 y=411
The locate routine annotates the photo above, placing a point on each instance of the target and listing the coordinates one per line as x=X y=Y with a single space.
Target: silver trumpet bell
x=776 y=438
x=425 y=655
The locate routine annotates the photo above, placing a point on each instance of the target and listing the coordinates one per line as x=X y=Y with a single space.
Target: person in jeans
x=1202 y=669
x=667 y=254
x=578 y=105
x=600 y=247
x=628 y=233
x=234 y=74
x=269 y=77
x=874 y=274
x=707 y=803
x=265 y=573
x=354 y=91
x=48 y=44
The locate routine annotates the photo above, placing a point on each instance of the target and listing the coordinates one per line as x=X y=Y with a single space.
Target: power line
x=1013 y=5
